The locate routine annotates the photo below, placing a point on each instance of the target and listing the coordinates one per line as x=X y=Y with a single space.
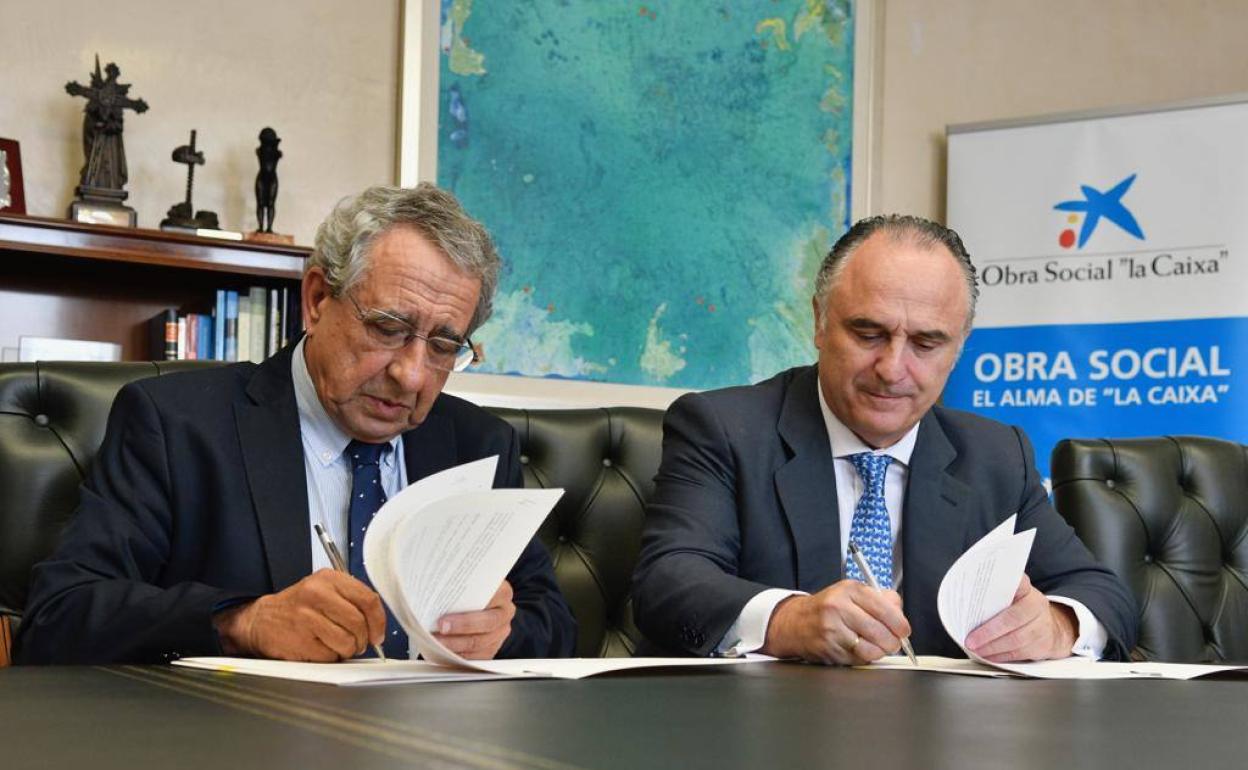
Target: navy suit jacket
x=198 y=497
x=745 y=500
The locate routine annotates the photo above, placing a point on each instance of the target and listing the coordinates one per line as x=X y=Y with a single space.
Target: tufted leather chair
x=605 y=460
x=52 y=420
x=1170 y=516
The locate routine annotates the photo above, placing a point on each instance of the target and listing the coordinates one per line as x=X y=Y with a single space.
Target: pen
x=865 y=569
x=335 y=559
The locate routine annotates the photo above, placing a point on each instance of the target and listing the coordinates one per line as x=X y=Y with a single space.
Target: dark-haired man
x=761 y=488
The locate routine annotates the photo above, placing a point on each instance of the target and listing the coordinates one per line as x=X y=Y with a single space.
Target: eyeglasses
x=393 y=333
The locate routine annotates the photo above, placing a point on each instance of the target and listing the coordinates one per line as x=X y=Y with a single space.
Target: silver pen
x=335 y=559
x=865 y=569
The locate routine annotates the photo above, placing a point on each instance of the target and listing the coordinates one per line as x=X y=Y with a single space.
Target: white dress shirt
x=328 y=470
x=749 y=631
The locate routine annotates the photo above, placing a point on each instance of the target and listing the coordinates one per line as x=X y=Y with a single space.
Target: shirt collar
x=844 y=443
x=321 y=435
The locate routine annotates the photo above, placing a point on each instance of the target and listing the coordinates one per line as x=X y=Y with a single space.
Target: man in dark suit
x=194 y=533
x=761 y=488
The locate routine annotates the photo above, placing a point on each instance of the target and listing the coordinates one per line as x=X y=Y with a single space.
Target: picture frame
x=12 y=189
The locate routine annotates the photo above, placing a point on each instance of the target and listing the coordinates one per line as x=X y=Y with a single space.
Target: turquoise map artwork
x=662 y=179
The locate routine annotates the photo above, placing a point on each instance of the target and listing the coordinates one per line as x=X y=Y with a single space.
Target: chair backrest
x=52 y=420
x=605 y=460
x=1170 y=516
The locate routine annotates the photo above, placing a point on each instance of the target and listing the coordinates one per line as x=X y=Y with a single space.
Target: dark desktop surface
x=749 y=716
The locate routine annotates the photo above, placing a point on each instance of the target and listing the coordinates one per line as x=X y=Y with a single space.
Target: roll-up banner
x=1113 y=290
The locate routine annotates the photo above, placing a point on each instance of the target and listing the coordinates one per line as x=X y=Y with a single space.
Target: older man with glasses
x=195 y=533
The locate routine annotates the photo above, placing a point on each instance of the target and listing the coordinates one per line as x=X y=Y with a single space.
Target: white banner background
x=1120 y=336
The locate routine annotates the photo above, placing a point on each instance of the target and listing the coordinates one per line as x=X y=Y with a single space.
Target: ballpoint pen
x=335 y=560
x=865 y=569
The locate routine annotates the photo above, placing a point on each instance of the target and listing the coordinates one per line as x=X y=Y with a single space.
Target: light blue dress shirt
x=328 y=471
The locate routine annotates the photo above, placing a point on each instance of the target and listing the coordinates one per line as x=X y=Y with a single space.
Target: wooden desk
x=754 y=716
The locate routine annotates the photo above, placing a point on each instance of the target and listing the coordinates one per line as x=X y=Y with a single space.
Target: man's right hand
x=847 y=623
x=327 y=616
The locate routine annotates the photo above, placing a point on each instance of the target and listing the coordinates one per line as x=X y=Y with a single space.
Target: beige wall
x=957 y=61
x=323 y=73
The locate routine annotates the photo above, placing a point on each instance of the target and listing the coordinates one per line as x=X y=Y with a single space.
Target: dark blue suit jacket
x=745 y=500
x=198 y=496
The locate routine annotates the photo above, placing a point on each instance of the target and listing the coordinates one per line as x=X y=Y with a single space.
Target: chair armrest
x=6 y=641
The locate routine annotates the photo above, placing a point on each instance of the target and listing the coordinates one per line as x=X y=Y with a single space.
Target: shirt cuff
x=1092 y=634
x=749 y=631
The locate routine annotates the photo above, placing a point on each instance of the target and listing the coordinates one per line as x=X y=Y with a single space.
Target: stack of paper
x=981 y=583
x=443 y=545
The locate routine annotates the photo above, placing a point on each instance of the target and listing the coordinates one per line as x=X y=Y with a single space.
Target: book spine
x=159 y=328
x=179 y=339
x=294 y=316
x=243 y=346
x=204 y=325
x=273 y=324
x=258 y=328
x=231 y=326
x=192 y=337
x=218 y=327
x=284 y=322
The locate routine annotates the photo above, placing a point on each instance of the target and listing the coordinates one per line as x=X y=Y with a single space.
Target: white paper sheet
x=469 y=477
x=981 y=583
x=443 y=545
x=375 y=672
x=1074 y=667
x=937 y=664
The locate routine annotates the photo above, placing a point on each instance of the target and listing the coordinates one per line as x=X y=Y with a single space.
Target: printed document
x=981 y=583
x=443 y=545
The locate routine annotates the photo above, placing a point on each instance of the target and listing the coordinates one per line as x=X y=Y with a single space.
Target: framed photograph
x=12 y=192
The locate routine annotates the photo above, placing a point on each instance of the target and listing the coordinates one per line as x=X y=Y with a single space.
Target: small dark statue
x=266 y=190
x=104 y=172
x=266 y=179
x=183 y=215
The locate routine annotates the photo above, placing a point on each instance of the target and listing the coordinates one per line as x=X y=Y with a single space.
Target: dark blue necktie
x=367 y=497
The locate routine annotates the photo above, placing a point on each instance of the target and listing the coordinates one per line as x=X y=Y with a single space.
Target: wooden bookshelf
x=92 y=282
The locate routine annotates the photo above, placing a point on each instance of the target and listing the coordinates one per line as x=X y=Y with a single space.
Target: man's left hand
x=478 y=635
x=1031 y=628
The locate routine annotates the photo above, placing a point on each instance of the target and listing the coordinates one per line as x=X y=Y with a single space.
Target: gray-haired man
x=194 y=533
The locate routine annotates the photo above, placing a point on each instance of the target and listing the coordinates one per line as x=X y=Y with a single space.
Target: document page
x=981 y=583
x=370 y=671
x=938 y=664
x=444 y=544
x=1076 y=667
x=453 y=553
x=471 y=477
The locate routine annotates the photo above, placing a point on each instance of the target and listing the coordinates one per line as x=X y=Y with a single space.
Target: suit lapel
x=268 y=431
x=933 y=532
x=806 y=486
x=430 y=447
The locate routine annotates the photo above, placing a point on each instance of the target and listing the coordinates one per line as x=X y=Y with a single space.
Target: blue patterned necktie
x=367 y=497
x=870 y=528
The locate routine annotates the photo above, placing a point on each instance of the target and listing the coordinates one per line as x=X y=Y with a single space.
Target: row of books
x=243 y=326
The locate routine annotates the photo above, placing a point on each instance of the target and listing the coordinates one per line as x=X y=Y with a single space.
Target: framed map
x=662 y=179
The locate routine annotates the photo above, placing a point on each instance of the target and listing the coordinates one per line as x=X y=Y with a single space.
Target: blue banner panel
x=1114 y=380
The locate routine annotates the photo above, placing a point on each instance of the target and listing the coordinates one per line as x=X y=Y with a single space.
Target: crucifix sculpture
x=104 y=174
x=183 y=214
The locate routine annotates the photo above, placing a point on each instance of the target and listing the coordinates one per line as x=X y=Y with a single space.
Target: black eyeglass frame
x=464 y=355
